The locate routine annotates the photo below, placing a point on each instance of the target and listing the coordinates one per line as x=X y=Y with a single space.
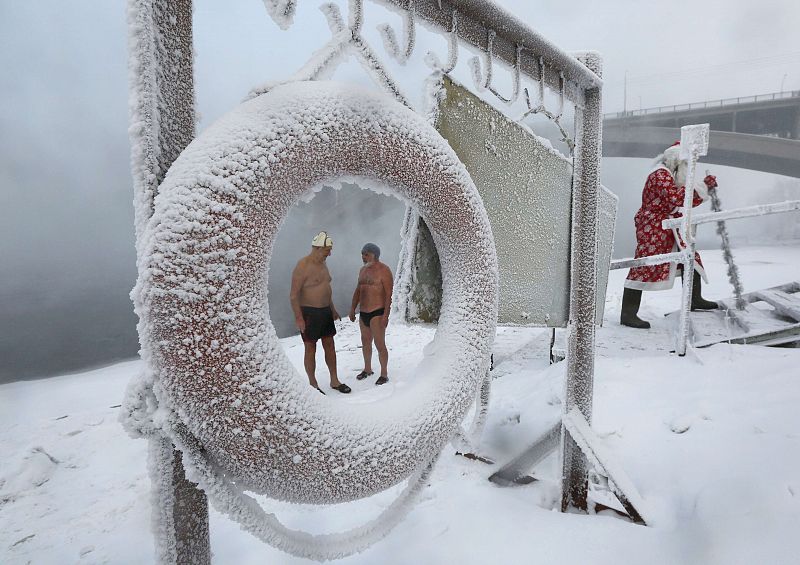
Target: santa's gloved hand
x=711 y=181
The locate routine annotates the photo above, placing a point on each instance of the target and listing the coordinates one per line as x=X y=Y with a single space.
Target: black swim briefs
x=319 y=323
x=366 y=317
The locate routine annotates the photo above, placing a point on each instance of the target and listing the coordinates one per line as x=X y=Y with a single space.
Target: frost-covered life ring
x=201 y=296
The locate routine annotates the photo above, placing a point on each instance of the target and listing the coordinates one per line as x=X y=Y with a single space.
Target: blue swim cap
x=372 y=248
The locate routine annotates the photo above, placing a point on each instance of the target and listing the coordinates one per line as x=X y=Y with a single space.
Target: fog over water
x=67 y=259
x=69 y=316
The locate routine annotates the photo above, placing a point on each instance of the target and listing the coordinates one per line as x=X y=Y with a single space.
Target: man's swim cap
x=322 y=239
x=372 y=248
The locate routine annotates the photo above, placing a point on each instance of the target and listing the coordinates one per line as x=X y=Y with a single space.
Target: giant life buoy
x=201 y=295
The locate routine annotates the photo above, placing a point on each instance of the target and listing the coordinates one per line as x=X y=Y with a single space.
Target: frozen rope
x=229 y=498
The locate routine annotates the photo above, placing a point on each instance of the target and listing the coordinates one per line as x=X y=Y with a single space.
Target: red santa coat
x=661 y=199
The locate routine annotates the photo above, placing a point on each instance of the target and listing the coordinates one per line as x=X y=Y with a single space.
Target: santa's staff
x=663 y=198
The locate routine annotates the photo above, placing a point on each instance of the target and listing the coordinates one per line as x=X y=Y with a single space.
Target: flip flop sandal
x=319 y=389
x=343 y=388
x=363 y=375
x=382 y=380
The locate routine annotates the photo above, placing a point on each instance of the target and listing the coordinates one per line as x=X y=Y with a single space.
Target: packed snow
x=710 y=441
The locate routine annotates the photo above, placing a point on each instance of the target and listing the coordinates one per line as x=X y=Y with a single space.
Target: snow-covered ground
x=711 y=441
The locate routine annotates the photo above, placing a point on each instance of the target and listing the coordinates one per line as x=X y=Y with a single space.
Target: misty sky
x=677 y=51
x=66 y=232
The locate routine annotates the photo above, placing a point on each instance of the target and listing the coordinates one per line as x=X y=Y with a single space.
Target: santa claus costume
x=662 y=198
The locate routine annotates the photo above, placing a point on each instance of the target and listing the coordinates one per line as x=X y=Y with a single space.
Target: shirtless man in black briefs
x=314 y=311
x=374 y=294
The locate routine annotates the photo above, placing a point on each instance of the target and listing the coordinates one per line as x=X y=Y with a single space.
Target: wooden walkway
x=771 y=317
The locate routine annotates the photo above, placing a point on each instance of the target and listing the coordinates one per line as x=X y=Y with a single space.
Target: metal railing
x=735 y=214
x=686 y=255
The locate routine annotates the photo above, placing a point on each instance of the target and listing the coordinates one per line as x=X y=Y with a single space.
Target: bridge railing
x=701 y=105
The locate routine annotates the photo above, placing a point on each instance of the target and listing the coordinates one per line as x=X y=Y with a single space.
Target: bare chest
x=369 y=277
x=317 y=276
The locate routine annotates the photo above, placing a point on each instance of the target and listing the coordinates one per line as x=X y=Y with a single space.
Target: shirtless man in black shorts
x=374 y=293
x=314 y=311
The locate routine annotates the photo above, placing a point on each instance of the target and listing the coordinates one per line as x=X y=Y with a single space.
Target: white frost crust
x=281 y=12
x=143 y=111
x=162 y=498
x=201 y=295
x=403 y=281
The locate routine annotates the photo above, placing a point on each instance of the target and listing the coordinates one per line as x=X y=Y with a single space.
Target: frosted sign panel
x=606 y=220
x=526 y=188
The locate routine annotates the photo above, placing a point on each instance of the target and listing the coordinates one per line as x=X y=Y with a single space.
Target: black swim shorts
x=319 y=323
x=366 y=317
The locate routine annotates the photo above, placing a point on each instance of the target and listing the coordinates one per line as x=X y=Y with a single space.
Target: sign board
x=526 y=187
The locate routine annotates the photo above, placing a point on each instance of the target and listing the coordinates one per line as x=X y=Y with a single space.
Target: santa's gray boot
x=698 y=302
x=631 y=299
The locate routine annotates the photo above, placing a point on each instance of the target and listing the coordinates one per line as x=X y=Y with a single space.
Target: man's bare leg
x=329 y=347
x=310 y=362
x=378 y=332
x=366 y=346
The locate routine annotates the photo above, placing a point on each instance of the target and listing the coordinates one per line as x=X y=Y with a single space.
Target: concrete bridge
x=761 y=133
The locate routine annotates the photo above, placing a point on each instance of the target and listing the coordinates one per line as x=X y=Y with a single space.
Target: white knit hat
x=322 y=239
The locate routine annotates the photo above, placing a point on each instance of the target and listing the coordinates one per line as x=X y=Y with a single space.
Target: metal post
x=163 y=115
x=180 y=509
x=694 y=143
x=796 y=132
x=583 y=287
x=625 y=96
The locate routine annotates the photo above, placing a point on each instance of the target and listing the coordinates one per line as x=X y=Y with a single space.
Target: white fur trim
x=659 y=166
x=669 y=282
x=666 y=284
x=702 y=272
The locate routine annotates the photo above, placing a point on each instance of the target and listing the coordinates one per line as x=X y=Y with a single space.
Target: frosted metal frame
x=737 y=213
x=163 y=63
x=682 y=336
x=165 y=59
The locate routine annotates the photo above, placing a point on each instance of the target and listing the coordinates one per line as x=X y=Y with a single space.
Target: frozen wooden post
x=694 y=144
x=583 y=287
x=162 y=125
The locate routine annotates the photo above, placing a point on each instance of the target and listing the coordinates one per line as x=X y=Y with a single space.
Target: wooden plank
x=780 y=336
x=604 y=464
x=784 y=303
x=757 y=323
x=790 y=287
x=516 y=469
